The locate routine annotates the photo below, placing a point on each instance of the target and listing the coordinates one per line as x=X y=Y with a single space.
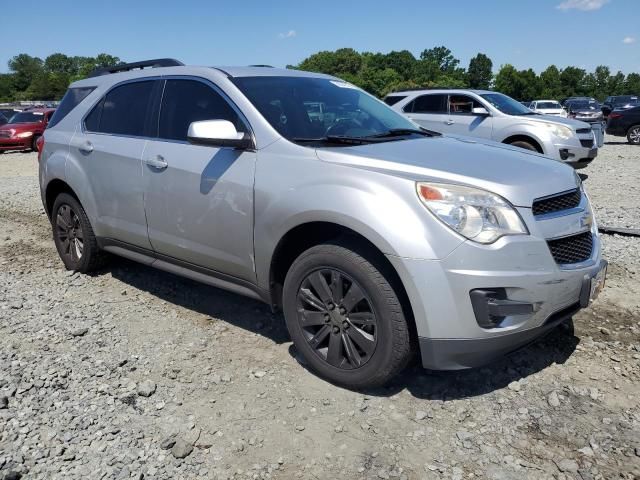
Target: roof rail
x=416 y=89
x=265 y=66
x=125 y=67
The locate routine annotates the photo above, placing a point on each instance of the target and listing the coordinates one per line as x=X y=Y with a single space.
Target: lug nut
x=327 y=318
x=342 y=311
x=345 y=324
x=331 y=306
x=336 y=330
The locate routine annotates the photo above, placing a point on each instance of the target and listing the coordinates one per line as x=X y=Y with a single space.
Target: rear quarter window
x=71 y=100
x=394 y=99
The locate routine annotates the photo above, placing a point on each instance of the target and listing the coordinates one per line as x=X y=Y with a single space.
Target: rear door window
x=431 y=103
x=187 y=101
x=71 y=100
x=125 y=110
x=394 y=99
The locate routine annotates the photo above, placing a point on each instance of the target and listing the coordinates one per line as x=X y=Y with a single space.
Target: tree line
x=381 y=73
x=31 y=78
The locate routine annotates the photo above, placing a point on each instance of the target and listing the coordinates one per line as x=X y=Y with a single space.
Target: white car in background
x=548 y=107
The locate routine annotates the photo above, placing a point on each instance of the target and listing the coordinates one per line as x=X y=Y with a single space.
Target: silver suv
x=372 y=235
x=494 y=116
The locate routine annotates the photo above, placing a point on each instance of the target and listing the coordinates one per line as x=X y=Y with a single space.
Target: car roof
x=229 y=71
x=38 y=110
x=439 y=90
x=554 y=101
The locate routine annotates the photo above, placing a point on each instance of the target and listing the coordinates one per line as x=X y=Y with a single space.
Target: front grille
x=573 y=249
x=557 y=203
x=586 y=143
x=583 y=130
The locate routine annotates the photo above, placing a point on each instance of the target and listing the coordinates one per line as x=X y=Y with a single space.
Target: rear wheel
x=34 y=143
x=344 y=316
x=633 y=135
x=73 y=235
x=524 y=144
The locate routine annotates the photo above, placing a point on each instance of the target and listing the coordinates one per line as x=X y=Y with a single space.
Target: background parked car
x=625 y=123
x=572 y=99
x=3 y=120
x=619 y=102
x=548 y=107
x=24 y=129
x=8 y=112
x=588 y=111
x=495 y=116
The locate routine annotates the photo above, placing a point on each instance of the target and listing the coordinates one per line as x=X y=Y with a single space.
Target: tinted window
x=462 y=105
x=393 y=100
x=436 y=103
x=123 y=110
x=186 y=101
x=70 y=101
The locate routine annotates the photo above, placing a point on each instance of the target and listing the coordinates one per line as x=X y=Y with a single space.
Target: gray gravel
x=134 y=373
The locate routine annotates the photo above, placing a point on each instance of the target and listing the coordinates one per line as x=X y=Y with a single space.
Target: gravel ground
x=135 y=373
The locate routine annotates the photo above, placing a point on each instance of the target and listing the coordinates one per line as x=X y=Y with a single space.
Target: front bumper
x=439 y=291
x=15 y=143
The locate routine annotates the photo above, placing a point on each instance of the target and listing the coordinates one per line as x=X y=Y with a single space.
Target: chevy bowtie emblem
x=586 y=220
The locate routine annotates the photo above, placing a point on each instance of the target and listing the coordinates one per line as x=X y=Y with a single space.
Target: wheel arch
x=524 y=138
x=54 y=188
x=306 y=235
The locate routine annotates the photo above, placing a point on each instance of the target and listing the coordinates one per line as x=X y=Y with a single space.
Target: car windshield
x=548 y=105
x=27 y=117
x=584 y=106
x=506 y=104
x=306 y=108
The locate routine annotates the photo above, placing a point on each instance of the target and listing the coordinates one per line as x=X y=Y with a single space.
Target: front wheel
x=345 y=317
x=524 y=144
x=34 y=143
x=633 y=135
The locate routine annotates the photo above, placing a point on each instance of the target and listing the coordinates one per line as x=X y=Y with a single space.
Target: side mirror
x=481 y=111
x=218 y=133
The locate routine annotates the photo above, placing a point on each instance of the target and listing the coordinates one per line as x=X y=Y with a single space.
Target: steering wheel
x=343 y=126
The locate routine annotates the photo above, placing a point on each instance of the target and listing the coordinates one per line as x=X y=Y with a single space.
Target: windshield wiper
x=398 y=132
x=337 y=139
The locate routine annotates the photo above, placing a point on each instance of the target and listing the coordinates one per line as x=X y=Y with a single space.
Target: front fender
x=292 y=191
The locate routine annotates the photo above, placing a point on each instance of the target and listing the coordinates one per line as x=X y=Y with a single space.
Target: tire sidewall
x=34 y=145
x=303 y=266
x=524 y=145
x=83 y=263
x=629 y=135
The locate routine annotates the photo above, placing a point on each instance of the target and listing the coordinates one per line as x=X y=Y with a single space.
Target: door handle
x=157 y=162
x=86 y=147
x=449 y=122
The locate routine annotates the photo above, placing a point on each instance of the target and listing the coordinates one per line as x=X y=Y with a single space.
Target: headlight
x=476 y=214
x=560 y=131
x=24 y=135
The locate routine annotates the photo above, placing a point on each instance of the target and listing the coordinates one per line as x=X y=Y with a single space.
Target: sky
x=526 y=33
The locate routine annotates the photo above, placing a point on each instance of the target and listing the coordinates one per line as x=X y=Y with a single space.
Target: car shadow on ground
x=256 y=317
x=215 y=303
x=622 y=142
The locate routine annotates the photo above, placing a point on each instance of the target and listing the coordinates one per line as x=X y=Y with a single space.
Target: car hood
x=517 y=175
x=573 y=124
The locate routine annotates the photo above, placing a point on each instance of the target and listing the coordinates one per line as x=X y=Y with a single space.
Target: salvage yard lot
x=105 y=372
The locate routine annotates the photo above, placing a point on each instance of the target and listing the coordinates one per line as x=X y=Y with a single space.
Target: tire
x=524 y=144
x=34 y=145
x=633 y=135
x=357 y=343
x=73 y=235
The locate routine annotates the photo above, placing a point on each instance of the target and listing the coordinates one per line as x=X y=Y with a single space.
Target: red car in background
x=24 y=129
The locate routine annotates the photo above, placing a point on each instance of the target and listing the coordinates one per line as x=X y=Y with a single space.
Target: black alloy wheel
x=337 y=318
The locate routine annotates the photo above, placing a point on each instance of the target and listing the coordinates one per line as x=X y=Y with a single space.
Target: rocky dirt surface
x=135 y=373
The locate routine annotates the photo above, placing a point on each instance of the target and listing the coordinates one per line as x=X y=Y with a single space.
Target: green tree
x=479 y=73
x=25 y=69
x=573 y=81
x=550 y=84
x=632 y=84
x=507 y=81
